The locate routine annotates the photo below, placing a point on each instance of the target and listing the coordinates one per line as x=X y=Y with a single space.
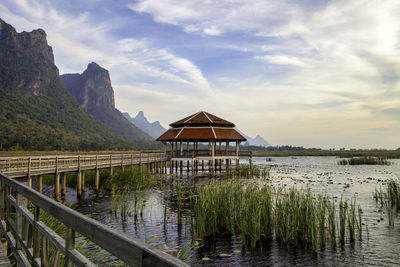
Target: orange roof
x=201 y=134
x=202 y=118
x=201 y=126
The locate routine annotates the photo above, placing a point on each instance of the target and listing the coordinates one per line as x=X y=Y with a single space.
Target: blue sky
x=311 y=73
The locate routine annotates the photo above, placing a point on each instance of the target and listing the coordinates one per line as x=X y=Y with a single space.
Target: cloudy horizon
x=310 y=73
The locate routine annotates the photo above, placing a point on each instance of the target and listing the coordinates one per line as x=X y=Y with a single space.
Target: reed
x=130 y=179
x=389 y=199
x=365 y=161
x=257 y=212
x=342 y=220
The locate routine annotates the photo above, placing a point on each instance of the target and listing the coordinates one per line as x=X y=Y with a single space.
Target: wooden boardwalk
x=27 y=167
x=35 y=244
x=16 y=167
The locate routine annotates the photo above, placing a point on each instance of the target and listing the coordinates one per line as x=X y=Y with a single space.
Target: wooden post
x=181 y=147
x=187 y=167
x=69 y=244
x=97 y=178
x=122 y=162
x=79 y=184
x=29 y=172
x=57 y=183
x=40 y=184
x=36 y=233
x=57 y=187
x=181 y=166
x=111 y=168
x=202 y=166
x=83 y=180
x=64 y=184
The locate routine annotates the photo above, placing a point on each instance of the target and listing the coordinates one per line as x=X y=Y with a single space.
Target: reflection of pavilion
x=202 y=127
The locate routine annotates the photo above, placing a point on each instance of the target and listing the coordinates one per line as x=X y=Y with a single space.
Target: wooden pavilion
x=205 y=129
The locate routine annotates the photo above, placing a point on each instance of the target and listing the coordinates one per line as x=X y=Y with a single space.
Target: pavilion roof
x=202 y=126
x=202 y=118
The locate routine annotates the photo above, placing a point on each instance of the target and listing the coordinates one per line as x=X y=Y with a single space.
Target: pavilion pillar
x=181 y=147
x=237 y=154
x=202 y=166
x=181 y=166
x=188 y=167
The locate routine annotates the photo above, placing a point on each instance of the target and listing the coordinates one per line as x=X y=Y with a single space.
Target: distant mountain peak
x=140 y=115
x=154 y=129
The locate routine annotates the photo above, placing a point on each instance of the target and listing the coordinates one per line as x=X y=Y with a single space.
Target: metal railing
x=29 y=237
x=24 y=166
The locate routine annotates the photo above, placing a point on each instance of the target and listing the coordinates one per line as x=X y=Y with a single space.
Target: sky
x=312 y=73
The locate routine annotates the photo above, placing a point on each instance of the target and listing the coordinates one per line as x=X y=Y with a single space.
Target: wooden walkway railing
x=29 y=237
x=38 y=165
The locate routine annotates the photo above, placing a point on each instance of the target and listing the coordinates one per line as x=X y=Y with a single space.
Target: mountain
x=36 y=111
x=93 y=91
x=154 y=129
x=257 y=141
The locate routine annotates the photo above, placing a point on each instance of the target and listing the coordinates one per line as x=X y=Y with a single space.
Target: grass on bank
x=257 y=212
x=389 y=154
x=365 y=161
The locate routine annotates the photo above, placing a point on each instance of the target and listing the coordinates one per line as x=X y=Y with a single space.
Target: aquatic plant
x=256 y=212
x=389 y=199
x=130 y=179
x=365 y=161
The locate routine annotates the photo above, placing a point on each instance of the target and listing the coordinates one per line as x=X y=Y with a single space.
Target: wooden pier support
x=97 y=180
x=79 y=184
x=40 y=184
x=57 y=187
x=63 y=184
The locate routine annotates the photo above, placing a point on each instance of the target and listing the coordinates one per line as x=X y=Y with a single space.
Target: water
x=320 y=174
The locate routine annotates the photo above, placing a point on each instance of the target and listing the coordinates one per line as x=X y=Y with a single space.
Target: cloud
x=312 y=73
x=78 y=40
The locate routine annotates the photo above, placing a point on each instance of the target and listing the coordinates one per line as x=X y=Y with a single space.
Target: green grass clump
x=244 y=170
x=390 y=199
x=130 y=179
x=365 y=161
x=257 y=212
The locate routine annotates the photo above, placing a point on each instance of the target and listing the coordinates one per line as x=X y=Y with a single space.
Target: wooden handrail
x=27 y=235
x=24 y=166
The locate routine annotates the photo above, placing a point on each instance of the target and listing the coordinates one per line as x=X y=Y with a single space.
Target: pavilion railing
x=34 y=243
x=207 y=153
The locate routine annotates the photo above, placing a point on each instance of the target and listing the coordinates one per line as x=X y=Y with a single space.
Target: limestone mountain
x=154 y=129
x=36 y=111
x=93 y=91
x=257 y=141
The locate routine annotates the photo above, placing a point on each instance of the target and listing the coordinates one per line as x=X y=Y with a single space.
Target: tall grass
x=257 y=212
x=130 y=179
x=244 y=170
x=389 y=199
x=365 y=161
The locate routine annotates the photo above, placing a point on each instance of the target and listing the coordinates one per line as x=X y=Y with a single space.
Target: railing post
x=69 y=244
x=36 y=234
